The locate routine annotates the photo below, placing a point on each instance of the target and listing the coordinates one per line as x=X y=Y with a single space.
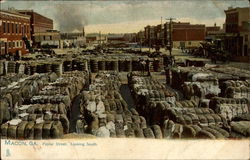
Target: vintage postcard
x=125 y=79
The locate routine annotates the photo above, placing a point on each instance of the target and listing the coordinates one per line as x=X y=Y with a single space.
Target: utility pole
x=140 y=42
x=170 y=40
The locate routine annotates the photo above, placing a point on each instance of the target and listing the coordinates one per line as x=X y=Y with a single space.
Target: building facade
x=183 y=35
x=39 y=24
x=14 y=32
x=150 y=36
x=186 y=35
x=237 y=28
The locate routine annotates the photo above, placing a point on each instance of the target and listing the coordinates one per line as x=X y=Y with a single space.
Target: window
x=50 y=37
x=4 y=27
x=17 y=44
x=12 y=25
x=20 y=28
x=189 y=43
x=21 y=44
x=16 y=28
x=8 y=27
x=44 y=37
x=10 y=44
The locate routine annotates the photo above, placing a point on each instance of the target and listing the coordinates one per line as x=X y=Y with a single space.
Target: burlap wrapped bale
x=222 y=131
x=139 y=133
x=157 y=131
x=188 y=132
x=4 y=130
x=29 y=130
x=56 y=129
x=148 y=133
x=129 y=133
x=38 y=130
x=203 y=134
x=65 y=123
x=241 y=127
x=135 y=125
x=4 y=111
x=214 y=132
x=119 y=130
x=168 y=128
x=46 y=129
x=21 y=130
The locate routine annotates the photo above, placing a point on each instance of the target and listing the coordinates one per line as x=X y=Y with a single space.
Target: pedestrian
x=143 y=66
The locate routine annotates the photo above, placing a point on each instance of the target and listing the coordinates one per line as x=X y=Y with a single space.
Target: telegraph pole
x=170 y=40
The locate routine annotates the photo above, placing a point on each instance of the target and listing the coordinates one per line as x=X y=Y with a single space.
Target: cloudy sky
x=126 y=16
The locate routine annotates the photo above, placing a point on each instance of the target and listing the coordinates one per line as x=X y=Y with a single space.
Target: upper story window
x=12 y=26
x=8 y=27
x=4 y=27
x=17 y=28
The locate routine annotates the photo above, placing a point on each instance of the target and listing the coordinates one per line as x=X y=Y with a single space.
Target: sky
x=126 y=16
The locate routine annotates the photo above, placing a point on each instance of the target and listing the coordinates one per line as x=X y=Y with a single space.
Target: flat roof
x=14 y=13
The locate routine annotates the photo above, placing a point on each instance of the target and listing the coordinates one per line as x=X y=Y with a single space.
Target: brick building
x=187 y=35
x=237 y=28
x=183 y=35
x=214 y=33
x=150 y=36
x=14 y=32
x=210 y=30
x=39 y=26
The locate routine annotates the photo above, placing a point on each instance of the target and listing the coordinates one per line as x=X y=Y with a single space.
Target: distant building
x=150 y=36
x=14 y=32
x=140 y=38
x=96 y=39
x=237 y=28
x=116 y=38
x=212 y=29
x=129 y=37
x=214 y=32
x=39 y=26
x=49 y=38
x=187 y=35
x=75 y=39
x=183 y=35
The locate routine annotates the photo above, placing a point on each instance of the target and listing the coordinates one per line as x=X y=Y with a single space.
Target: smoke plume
x=69 y=18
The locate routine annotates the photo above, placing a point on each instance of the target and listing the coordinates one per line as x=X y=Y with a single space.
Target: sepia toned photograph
x=129 y=79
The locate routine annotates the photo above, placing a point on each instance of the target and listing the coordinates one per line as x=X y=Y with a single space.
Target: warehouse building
x=186 y=35
x=41 y=27
x=14 y=32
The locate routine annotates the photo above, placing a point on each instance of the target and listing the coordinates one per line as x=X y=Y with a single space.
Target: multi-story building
x=237 y=28
x=140 y=38
x=150 y=36
x=159 y=35
x=183 y=35
x=39 y=25
x=186 y=35
x=50 y=38
x=214 y=33
x=14 y=32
